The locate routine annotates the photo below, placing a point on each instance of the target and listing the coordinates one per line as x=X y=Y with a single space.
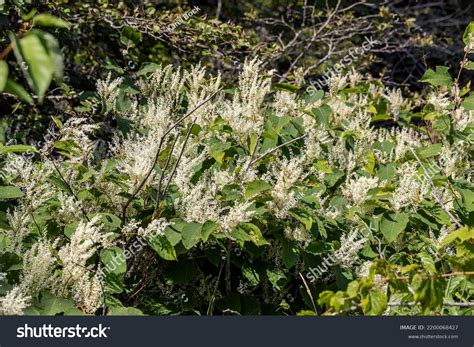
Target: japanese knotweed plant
x=191 y=197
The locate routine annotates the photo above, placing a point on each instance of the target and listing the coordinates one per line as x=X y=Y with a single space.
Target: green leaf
x=440 y=77
x=429 y=292
x=15 y=89
x=256 y=187
x=442 y=124
x=313 y=95
x=462 y=234
x=32 y=51
x=469 y=32
x=162 y=246
x=16 y=149
x=428 y=262
x=47 y=20
x=191 y=234
x=50 y=305
x=125 y=311
x=374 y=303
x=275 y=276
x=130 y=37
x=290 y=253
x=147 y=68
x=322 y=115
x=430 y=151
x=10 y=192
x=286 y=87
x=207 y=229
x=54 y=52
x=3 y=75
x=467 y=198
x=392 y=224
x=114 y=260
x=469 y=65
x=255 y=234
x=468 y=103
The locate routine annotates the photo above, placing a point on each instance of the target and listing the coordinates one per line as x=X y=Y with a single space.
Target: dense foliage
x=192 y=189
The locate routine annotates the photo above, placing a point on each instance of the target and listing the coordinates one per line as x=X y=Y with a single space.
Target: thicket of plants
x=206 y=187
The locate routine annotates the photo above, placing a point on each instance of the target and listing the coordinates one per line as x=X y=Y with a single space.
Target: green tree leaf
x=114 y=260
x=440 y=77
x=3 y=75
x=15 y=89
x=468 y=103
x=10 y=192
x=429 y=292
x=39 y=67
x=50 y=305
x=392 y=224
x=16 y=149
x=47 y=20
x=162 y=246
x=130 y=37
x=374 y=303
x=191 y=234
x=256 y=187
x=468 y=34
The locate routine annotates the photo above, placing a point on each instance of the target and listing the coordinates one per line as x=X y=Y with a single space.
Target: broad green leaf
x=255 y=235
x=31 y=50
x=462 y=234
x=249 y=272
x=467 y=198
x=162 y=246
x=191 y=234
x=275 y=276
x=3 y=75
x=374 y=303
x=125 y=311
x=429 y=292
x=469 y=65
x=54 y=51
x=440 y=77
x=17 y=90
x=428 y=262
x=468 y=102
x=10 y=192
x=322 y=115
x=47 y=20
x=16 y=149
x=290 y=253
x=392 y=224
x=442 y=124
x=468 y=34
x=207 y=229
x=114 y=260
x=313 y=95
x=130 y=37
x=256 y=187
x=147 y=68
x=50 y=305
x=286 y=87
x=430 y=151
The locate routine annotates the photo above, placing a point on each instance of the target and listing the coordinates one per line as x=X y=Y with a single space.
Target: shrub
x=185 y=196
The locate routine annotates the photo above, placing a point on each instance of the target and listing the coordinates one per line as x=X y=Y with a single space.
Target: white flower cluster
x=77 y=278
x=411 y=187
x=355 y=190
x=245 y=114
